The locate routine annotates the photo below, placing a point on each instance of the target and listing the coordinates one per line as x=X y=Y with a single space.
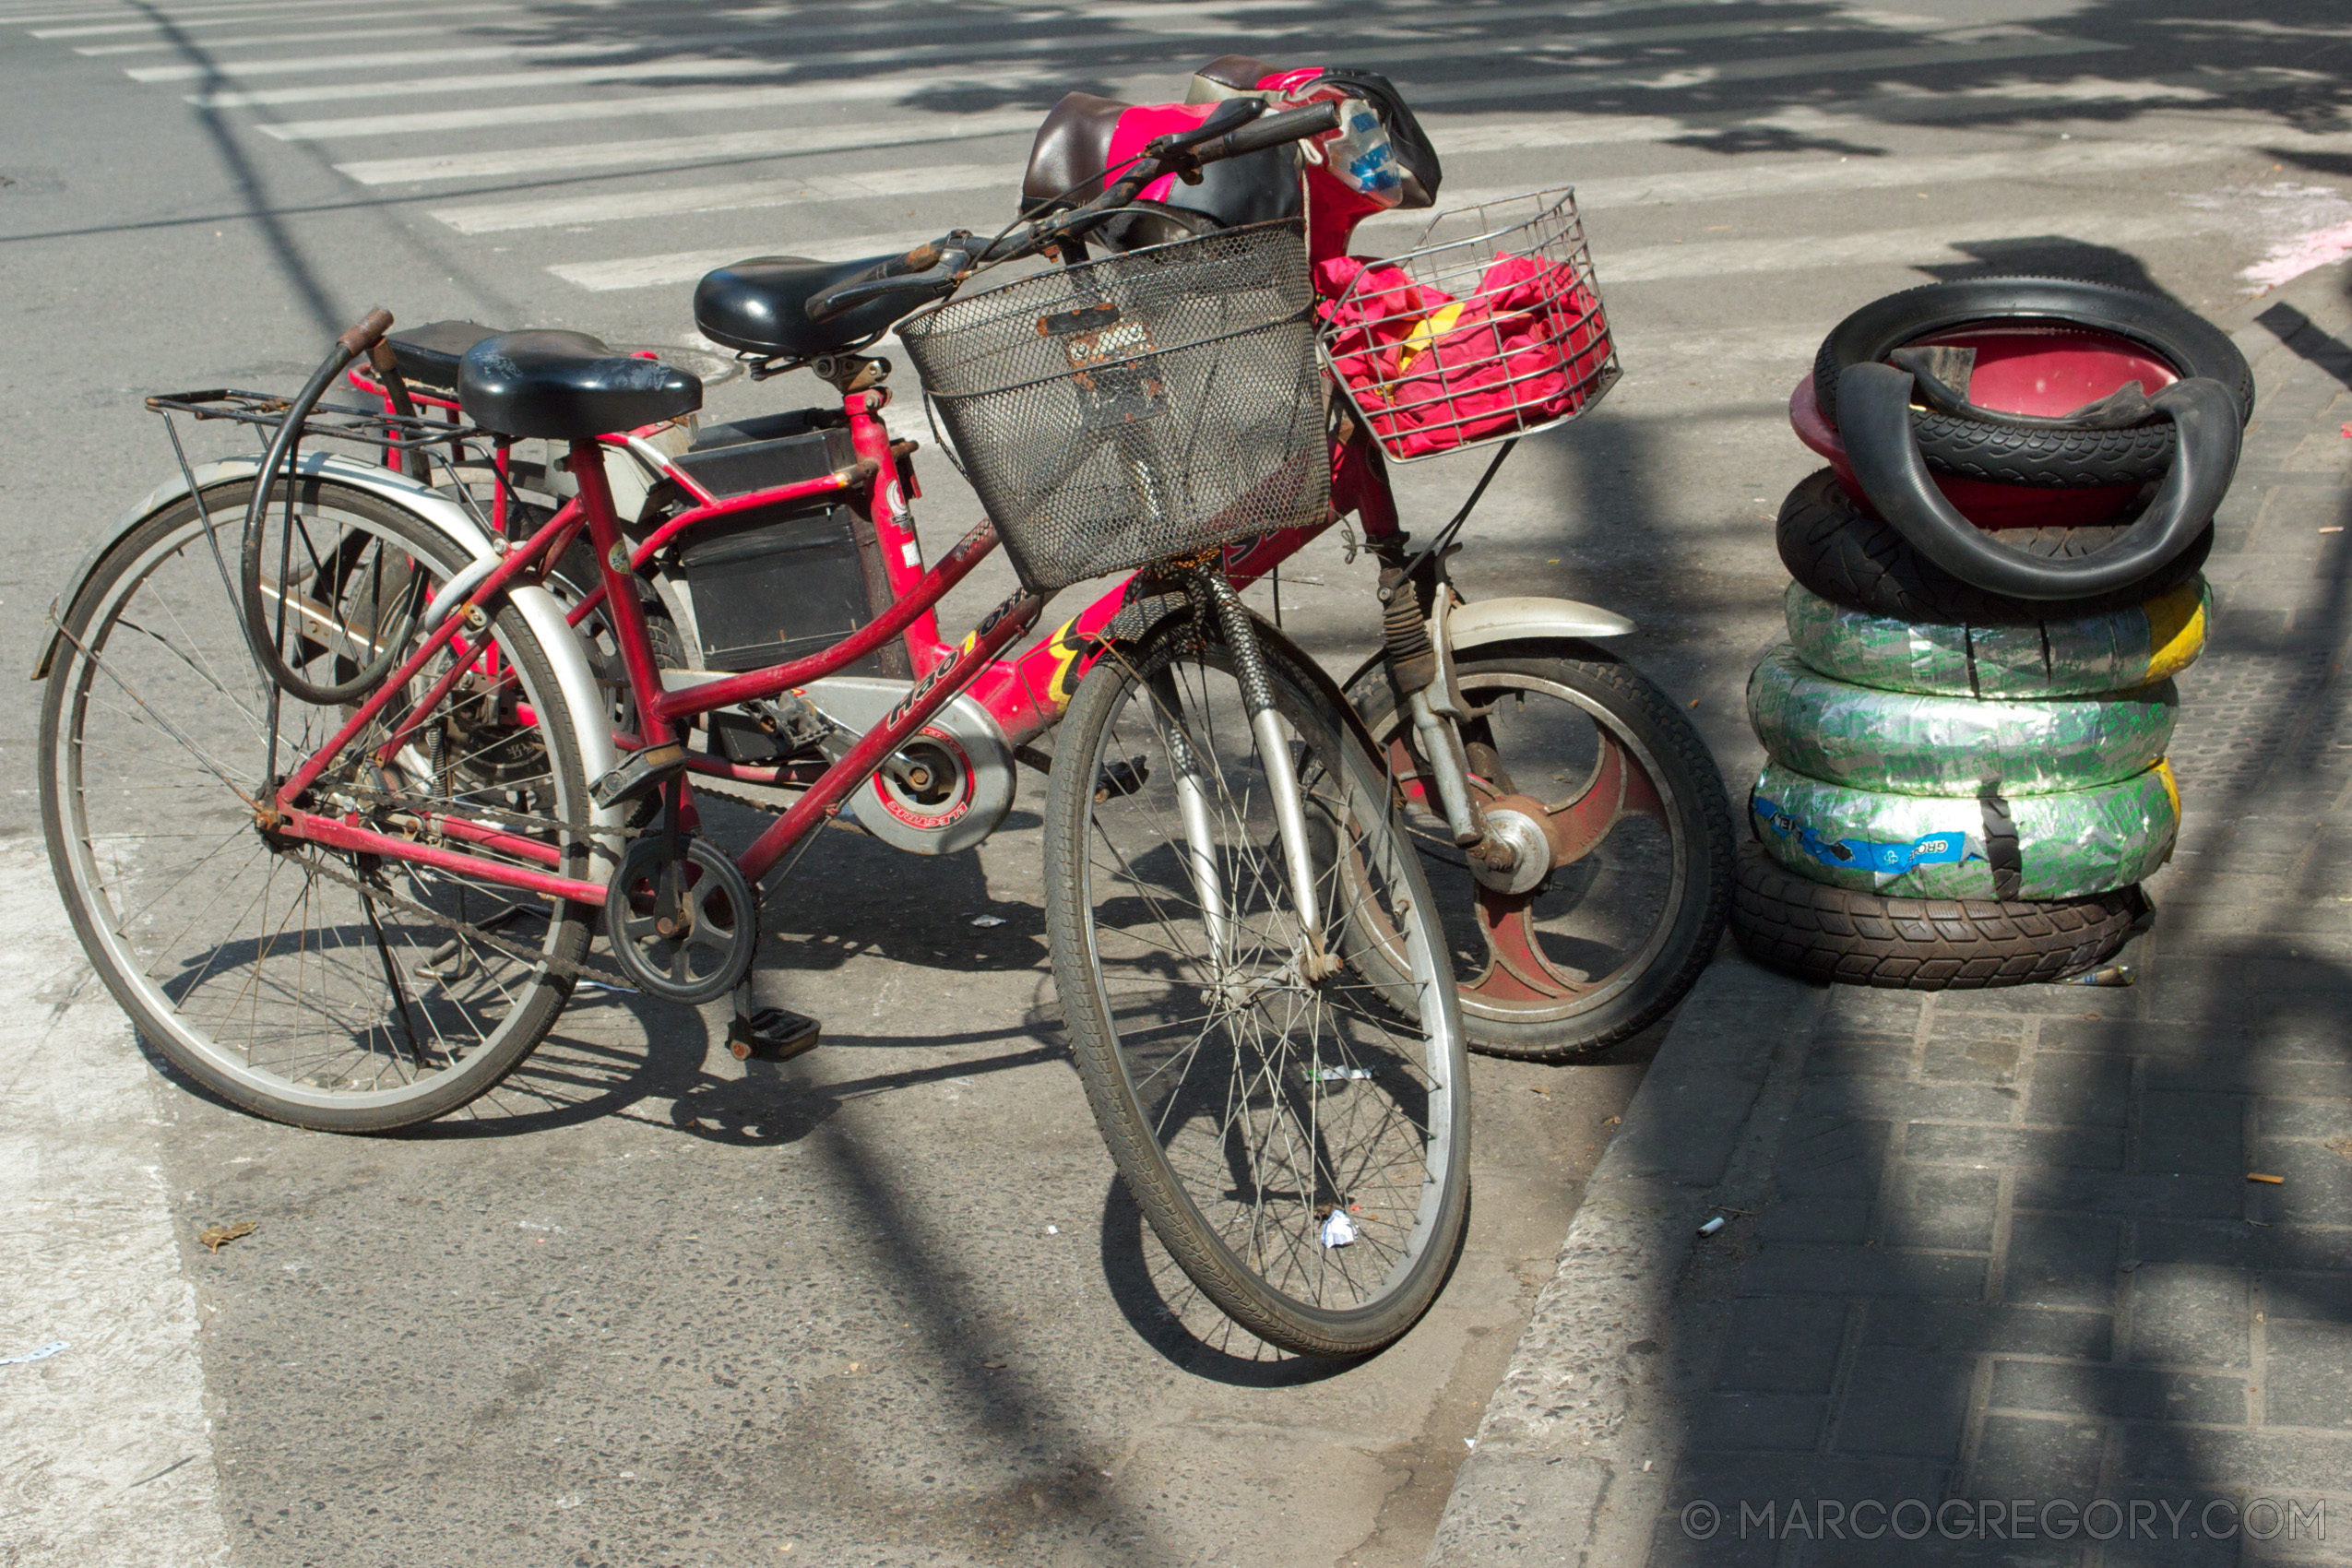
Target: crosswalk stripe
x=1651 y=263
x=569 y=212
x=683 y=266
x=100 y=51
x=562 y=75
x=2072 y=158
x=793 y=96
x=384 y=60
x=280 y=38
x=194 y=16
x=779 y=142
x=1681 y=78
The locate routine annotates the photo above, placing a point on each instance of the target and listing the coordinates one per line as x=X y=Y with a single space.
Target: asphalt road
x=888 y=1305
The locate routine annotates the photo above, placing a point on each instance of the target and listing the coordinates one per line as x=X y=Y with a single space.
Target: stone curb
x=1557 y=1475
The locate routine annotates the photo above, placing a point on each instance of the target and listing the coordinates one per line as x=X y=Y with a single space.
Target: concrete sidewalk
x=1996 y=1288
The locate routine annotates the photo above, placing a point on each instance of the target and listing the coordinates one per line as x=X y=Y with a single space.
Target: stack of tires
x=1995 y=579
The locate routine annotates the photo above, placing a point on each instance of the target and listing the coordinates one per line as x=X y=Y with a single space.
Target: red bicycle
x=338 y=790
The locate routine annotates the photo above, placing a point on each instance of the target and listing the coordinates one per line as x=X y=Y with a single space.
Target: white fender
x=575 y=677
x=1486 y=621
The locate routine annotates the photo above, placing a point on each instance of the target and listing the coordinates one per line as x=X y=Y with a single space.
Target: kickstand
x=770 y=1034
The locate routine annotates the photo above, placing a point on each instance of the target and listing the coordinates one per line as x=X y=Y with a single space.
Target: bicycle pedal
x=639 y=772
x=773 y=1034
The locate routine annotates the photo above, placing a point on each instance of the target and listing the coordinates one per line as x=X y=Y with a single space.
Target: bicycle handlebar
x=1292 y=124
x=369 y=331
x=940 y=265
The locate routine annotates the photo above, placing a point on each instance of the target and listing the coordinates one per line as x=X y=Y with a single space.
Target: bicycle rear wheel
x=311 y=986
x=1301 y=1145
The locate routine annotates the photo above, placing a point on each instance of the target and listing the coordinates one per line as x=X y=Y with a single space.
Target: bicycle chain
x=567 y=968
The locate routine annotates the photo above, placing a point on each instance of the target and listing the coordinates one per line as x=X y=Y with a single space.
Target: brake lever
x=948 y=267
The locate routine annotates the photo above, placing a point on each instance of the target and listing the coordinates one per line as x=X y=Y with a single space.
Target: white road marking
x=502 y=81
x=683 y=266
x=493 y=218
x=1915 y=57
x=779 y=142
x=1945 y=243
x=718 y=102
x=2063 y=160
x=106 y=1455
x=469 y=21
x=196 y=15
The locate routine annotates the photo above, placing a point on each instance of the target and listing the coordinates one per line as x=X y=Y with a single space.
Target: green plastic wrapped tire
x=2076 y=656
x=1910 y=745
x=2066 y=846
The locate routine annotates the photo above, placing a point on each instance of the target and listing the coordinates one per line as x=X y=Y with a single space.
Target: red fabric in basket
x=1432 y=373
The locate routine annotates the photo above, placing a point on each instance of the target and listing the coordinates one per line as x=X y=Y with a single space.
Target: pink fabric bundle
x=1433 y=372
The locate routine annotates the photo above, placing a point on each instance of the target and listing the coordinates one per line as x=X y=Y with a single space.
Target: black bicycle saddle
x=761 y=306
x=568 y=387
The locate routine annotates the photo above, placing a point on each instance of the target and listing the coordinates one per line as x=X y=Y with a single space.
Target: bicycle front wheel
x=331 y=991
x=1299 y=1142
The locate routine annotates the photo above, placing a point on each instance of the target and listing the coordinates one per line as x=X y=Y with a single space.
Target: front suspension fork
x=1423 y=668
x=1214 y=600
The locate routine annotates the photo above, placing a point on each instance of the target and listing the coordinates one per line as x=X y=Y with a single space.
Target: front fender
x=1487 y=621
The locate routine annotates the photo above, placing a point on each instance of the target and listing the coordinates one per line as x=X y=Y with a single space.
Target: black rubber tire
x=1329 y=742
x=152 y=1008
x=1829 y=934
x=1839 y=551
x=1702 y=813
x=2042 y=457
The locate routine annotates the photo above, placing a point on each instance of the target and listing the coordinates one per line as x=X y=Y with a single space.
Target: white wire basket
x=1488 y=329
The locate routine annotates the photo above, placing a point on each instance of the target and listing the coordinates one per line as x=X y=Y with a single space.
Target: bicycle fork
x=1213 y=596
x=1508 y=849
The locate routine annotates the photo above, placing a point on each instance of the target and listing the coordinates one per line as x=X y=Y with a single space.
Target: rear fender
x=575 y=680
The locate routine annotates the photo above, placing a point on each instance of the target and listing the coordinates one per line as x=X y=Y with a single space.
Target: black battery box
x=778 y=583
x=774 y=449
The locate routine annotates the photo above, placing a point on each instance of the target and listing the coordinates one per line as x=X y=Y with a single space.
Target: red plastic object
x=2024 y=369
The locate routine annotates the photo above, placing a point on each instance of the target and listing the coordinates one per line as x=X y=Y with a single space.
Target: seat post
x=620 y=590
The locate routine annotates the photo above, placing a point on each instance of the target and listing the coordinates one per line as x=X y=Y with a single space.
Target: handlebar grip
x=1292 y=124
x=369 y=331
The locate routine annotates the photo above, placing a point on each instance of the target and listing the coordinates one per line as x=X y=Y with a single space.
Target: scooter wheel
x=1836 y=933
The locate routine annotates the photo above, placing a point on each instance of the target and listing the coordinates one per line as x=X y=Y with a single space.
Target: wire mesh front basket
x=1491 y=327
x=1137 y=408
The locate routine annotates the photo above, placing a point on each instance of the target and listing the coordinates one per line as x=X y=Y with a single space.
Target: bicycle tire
x=2040 y=456
x=2070 y=845
x=87 y=803
x=2064 y=657
x=1854 y=938
x=1905 y=744
x=1214 y=1195
x=1503 y=1007
x=1837 y=550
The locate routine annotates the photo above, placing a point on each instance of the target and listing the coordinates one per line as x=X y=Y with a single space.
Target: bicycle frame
x=1025 y=696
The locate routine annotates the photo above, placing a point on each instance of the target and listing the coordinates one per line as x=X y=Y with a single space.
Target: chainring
x=714 y=921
